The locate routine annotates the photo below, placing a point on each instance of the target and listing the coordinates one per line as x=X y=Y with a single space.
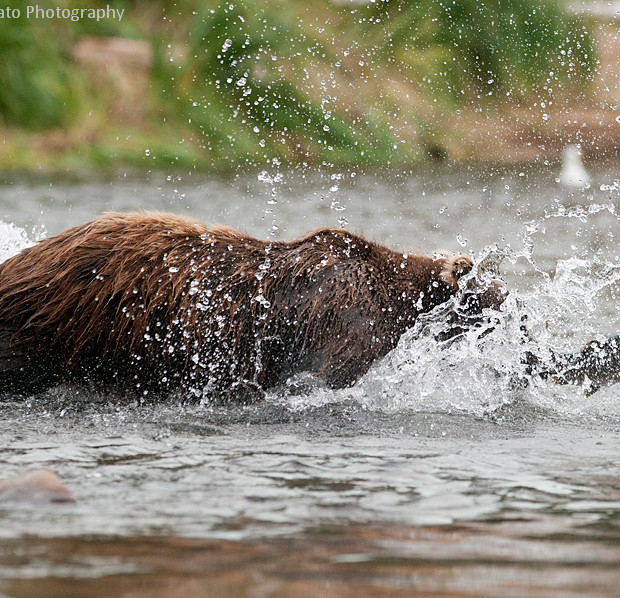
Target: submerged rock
x=36 y=487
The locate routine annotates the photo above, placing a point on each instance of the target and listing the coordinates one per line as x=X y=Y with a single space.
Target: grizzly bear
x=156 y=302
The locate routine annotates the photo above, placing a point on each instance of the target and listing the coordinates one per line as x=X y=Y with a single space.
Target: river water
x=443 y=471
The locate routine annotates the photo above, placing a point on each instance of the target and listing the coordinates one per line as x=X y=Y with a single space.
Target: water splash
x=12 y=240
x=487 y=371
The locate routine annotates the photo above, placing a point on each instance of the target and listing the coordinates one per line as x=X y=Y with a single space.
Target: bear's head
x=473 y=294
x=476 y=293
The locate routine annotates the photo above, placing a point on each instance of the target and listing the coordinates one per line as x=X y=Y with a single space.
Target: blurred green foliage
x=38 y=80
x=237 y=87
x=41 y=87
x=257 y=80
x=468 y=48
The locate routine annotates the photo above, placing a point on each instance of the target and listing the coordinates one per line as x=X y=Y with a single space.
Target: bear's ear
x=454 y=267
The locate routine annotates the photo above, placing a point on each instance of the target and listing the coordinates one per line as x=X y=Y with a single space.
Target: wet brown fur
x=156 y=302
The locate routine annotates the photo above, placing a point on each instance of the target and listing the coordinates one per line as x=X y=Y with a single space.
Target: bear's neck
x=417 y=286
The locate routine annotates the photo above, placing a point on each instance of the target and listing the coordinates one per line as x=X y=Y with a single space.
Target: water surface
x=440 y=471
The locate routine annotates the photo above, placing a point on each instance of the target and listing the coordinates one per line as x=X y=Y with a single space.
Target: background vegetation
x=252 y=81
